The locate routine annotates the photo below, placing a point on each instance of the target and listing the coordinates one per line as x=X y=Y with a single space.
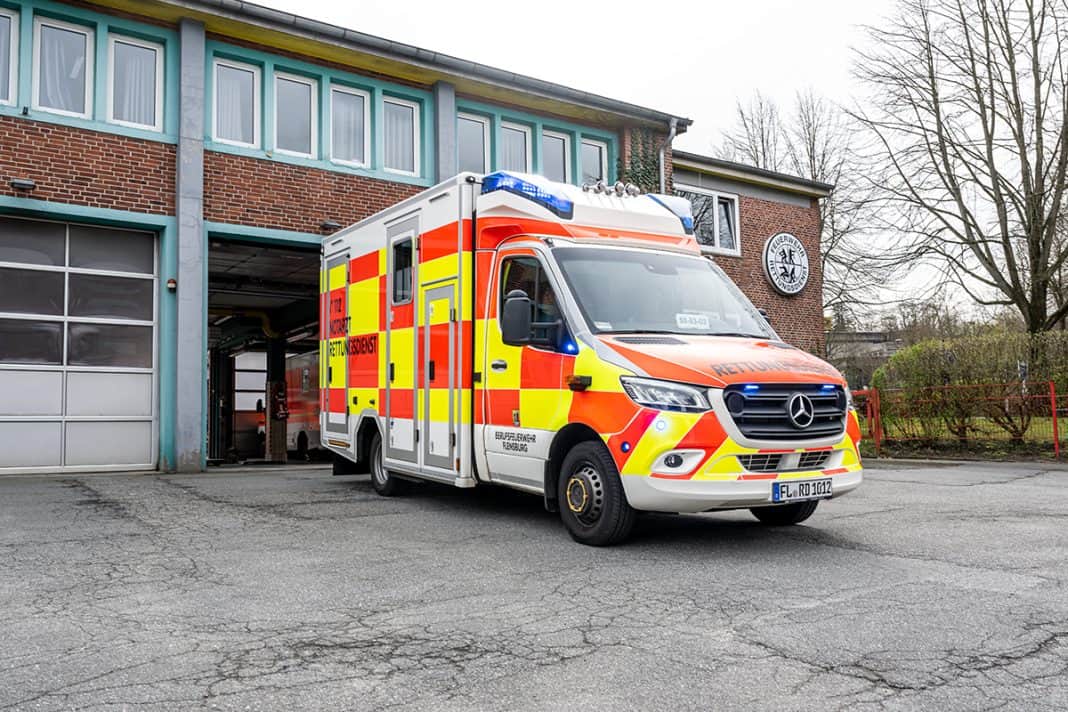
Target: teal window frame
x=537 y=125
x=103 y=27
x=376 y=91
x=12 y=78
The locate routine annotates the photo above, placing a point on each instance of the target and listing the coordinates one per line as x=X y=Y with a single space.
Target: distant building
x=857 y=354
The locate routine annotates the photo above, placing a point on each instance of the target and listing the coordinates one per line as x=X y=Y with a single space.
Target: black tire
x=783 y=515
x=383 y=482
x=593 y=505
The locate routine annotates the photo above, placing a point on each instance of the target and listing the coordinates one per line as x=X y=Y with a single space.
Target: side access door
x=402 y=346
x=336 y=313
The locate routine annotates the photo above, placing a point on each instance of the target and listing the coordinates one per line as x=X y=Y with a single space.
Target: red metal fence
x=1010 y=418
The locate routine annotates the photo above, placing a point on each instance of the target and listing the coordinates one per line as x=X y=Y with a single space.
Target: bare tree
x=967 y=108
x=815 y=139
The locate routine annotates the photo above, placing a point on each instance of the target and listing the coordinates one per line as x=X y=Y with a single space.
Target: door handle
x=499 y=365
x=430 y=369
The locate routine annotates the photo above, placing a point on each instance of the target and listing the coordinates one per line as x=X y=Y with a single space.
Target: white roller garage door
x=77 y=347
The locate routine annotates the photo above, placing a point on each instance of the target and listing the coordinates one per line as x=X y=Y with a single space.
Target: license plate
x=804 y=489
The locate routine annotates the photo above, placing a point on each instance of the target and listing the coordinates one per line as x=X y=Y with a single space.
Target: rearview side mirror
x=515 y=319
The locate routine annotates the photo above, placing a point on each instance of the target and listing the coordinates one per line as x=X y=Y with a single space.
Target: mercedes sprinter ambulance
x=573 y=343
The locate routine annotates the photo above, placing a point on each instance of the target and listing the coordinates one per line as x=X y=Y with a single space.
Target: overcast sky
x=696 y=61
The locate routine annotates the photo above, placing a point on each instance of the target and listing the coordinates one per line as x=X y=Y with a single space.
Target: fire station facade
x=168 y=170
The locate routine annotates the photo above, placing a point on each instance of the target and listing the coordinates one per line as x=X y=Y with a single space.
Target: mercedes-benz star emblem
x=800 y=410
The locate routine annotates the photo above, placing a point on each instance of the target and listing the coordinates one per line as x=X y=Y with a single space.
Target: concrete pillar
x=190 y=417
x=277 y=409
x=445 y=129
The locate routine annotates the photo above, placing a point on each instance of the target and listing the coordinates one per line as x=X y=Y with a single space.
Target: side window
x=402 y=271
x=527 y=275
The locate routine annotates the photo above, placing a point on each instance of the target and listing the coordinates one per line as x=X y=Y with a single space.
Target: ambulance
x=574 y=343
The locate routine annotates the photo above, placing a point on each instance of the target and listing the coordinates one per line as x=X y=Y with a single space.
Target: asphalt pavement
x=933 y=586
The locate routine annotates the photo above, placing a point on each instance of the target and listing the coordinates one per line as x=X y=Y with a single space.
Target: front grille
x=761 y=412
x=760 y=463
x=812 y=460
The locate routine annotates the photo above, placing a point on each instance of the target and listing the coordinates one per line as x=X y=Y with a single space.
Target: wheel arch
x=365 y=431
x=566 y=438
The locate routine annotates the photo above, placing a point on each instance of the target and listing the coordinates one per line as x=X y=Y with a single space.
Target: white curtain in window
x=235 y=96
x=592 y=163
x=471 y=144
x=554 y=157
x=400 y=137
x=134 y=92
x=293 y=117
x=348 y=126
x=62 y=72
x=513 y=154
x=5 y=57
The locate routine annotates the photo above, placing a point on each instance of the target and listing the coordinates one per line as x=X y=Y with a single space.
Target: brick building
x=170 y=167
x=737 y=210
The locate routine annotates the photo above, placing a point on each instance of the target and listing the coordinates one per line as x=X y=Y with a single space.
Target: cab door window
x=527 y=275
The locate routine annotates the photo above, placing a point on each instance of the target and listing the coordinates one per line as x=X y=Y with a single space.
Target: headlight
x=665 y=395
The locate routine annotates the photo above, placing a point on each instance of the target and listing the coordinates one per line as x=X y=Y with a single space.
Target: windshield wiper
x=642 y=331
x=736 y=333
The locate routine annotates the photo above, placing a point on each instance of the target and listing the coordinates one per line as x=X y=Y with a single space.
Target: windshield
x=628 y=291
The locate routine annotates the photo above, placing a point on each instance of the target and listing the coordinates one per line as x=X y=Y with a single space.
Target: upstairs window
x=135 y=83
x=63 y=68
x=9 y=55
x=715 y=219
x=237 y=104
x=514 y=152
x=472 y=143
x=556 y=156
x=401 y=132
x=350 y=126
x=295 y=115
x=594 y=158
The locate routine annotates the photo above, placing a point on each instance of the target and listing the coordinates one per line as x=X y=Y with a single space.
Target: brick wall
x=91 y=168
x=798 y=319
x=271 y=194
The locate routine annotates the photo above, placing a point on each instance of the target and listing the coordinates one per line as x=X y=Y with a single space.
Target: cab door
x=527 y=400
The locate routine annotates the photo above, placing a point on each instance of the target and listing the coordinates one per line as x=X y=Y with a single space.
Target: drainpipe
x=672 y=129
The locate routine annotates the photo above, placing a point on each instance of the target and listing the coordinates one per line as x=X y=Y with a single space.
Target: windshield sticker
x=693 y=321
x=602 y=325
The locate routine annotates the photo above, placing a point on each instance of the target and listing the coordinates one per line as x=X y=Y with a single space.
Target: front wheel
x=382 y=481
x=590 y=496
x=785 y=514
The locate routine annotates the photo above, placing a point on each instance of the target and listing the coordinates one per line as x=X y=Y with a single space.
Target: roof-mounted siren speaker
x=680 y=207
x=538 y=189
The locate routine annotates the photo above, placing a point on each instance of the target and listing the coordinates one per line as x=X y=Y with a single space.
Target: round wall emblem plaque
x=786 y=263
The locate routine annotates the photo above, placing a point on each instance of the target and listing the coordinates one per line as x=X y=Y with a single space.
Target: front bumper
x=687 y=496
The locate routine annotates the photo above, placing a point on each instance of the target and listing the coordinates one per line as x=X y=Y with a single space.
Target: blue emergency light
x=679 y=206
x=535 y=188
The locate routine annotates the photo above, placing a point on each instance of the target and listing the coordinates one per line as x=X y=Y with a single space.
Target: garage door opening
x=263 y=326
x=78 y=356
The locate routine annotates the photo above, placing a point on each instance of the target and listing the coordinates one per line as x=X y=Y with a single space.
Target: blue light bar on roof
x=679 y=206
x=543 y=192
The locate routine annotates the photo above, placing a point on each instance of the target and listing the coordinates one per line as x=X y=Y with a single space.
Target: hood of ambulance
x=720 y=361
